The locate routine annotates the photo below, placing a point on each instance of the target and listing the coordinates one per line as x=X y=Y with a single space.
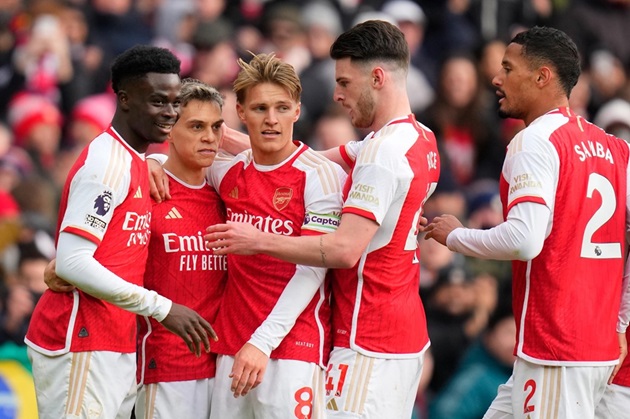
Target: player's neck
x=190 y=176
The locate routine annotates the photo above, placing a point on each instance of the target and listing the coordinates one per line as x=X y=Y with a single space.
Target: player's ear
x=240 y=112
x=123 y=99
x=298 y=111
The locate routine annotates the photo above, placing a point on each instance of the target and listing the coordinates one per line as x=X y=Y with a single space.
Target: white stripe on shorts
x=78 y=380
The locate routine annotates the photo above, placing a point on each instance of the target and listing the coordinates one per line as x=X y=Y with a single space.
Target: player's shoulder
x=106 y=155
x=319 y=169
x=311 y=160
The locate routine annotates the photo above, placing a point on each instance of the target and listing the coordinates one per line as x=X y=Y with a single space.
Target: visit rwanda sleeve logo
x=103 y=203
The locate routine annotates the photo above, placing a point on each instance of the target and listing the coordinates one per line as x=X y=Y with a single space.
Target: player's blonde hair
x=193 y=89
x=266 y=68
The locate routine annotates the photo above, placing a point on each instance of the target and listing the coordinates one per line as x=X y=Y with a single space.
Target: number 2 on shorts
x=530 y=385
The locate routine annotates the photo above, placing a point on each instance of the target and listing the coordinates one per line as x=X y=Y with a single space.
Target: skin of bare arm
x=340 y=249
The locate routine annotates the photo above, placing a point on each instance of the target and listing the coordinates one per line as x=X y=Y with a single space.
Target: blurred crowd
x=55 y=97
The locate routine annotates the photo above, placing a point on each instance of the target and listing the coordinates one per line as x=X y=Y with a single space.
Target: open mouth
x=165 y=127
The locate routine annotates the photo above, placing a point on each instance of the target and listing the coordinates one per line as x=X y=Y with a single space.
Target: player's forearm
x=521 y=237
x=76 y=264
x=294 y=299
x=624 y=309
x=326 y=250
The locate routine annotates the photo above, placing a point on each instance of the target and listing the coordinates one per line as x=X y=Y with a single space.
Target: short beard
x=503 y=114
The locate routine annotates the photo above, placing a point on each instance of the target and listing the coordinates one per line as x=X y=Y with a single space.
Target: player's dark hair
x=193 y=89
x=139 y=60
x=372 y=40
x=544 y=46
x=266 y=68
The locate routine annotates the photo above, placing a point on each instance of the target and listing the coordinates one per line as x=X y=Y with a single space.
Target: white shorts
x=549 y=392
x=615 y=403
x=176 y=399
x=290 y=389
x=98 y=384
x=358 y=386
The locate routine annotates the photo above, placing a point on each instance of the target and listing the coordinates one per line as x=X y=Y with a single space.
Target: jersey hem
x=386 y=355
x=560 y=363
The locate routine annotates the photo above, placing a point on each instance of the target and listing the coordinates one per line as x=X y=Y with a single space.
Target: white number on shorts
x=604 y=213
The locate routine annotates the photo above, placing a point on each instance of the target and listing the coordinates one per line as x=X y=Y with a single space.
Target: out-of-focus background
x=55 y=97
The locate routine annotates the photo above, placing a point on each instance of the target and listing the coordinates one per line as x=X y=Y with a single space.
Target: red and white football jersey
x=566 y=300
x=377 y=309
x=299 y=196
x=180 y=268
x=105 y=200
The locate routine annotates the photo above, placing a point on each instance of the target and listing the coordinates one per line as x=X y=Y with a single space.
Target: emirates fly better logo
x=282 y=197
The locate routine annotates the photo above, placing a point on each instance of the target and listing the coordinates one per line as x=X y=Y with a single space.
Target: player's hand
x=441 y=227
x=53 y=282
x=248 y=370
x=191 y=327
x=623 y=352
x=422 y=224
x=234 y=237
x=158 y=181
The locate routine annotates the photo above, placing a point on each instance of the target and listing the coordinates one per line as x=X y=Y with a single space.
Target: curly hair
x=139 y=60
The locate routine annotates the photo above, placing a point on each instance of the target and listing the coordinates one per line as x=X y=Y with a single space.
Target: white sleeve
x=352 y=149
x=520 y=237
x=76 y=264
x=294 y=299
x=160 y=158
x=624 y=308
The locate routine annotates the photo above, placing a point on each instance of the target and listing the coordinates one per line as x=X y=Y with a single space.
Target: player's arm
x=250 y=361
x=623 y=319
x=76 y=265
x=520 y=237
x=340 y=249
x=233 y=141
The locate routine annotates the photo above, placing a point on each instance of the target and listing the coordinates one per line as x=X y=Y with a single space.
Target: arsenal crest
x=282 y=197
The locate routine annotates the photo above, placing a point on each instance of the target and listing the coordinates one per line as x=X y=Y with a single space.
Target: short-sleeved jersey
x=566 y=300
x=106 y=200
x=300 y=196
x=182 y=269
x=377 y=309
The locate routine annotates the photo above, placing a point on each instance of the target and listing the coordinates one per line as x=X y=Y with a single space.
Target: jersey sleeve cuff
x=163 y=308
x=262 y=346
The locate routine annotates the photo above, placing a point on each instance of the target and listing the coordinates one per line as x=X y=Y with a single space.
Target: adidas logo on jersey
x=173 y=214
x=332 y=405
x=234 y=193
x=83 y=333
x=152 y=364
x=138 y=193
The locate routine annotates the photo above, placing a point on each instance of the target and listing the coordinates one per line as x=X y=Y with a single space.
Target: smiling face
x=516 y=84
x=196 y=136
x=269 y=112
x=152 y=104
x=352 y=91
